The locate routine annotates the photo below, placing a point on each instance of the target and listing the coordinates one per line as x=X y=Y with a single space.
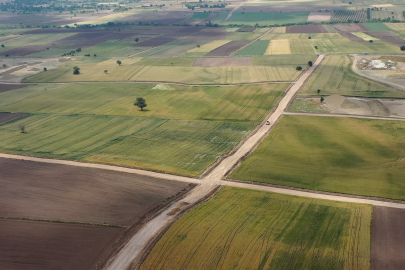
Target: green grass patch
x=334 y=76
x=183 y=147
x=160 y=48
x=345 y=155
x=259 y=47
x=200 y=15
x=267 y=18
x=220 y=17
x=246 y=229
x=376 y=27
x=280 y=60
x=233 y=103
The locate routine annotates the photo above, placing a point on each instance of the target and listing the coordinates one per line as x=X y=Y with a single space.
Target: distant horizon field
x=267 y=18
x=344 y=155
x=248 y=229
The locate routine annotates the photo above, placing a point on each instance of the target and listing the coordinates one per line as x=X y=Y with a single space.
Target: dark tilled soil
x=350 y=27
x=8 y=87
x=5 y=116
x=68 y=193
x=42 y=245
x=227 y=49
x=350 y=36
x=23 y=51
x=387 y=37
x=306 y=29
x=388 y=239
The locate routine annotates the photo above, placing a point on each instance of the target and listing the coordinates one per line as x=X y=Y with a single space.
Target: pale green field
x=131 y=71
x=345 y=155
x=334 y=76
x=237 y=103
x=181 y=147
x=246 y=229
x=280 y=60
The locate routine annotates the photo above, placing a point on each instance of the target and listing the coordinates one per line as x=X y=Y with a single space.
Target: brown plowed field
x=306 y=29
x=350 y=27
x=22 y=51
x=388 y=239
x=388 y=37
x=8 y=87
x=153 y=42
x=42 y=245
x=223 y=62
x=246 y=29
x=51 y=191
x=5 y=116
x=350 y=36
x=227 y=49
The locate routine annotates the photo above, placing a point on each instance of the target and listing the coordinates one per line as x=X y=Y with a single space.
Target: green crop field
x=301 y=46
x=345 y=155
x=259 y=47
x=130 y=70
x=281 y=60
x=182 y=147
x=237 y=103
x=334 y=76
x=267 y=18
x=243 y=36
x=220 y=17
x=376 y=27
x=246 y=229
x=160 y=48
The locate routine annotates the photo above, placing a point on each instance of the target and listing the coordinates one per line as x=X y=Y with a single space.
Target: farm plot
x=228 y=48
x=243 y=36
x=23 y=51
x=161 y=48
x=259 y=47
x=388 y=37
x=352 y=36
x=5 y=117
x=181 y=147
x=334 y=76
x=306 y=29
x=28 y=245
x=279 y=46
x=247 y=229
x=385 y=15
x=220 y=17
x=350 y=27
x=376 y=26
x=283 y=60
x=319 y=17
x=363 y=36
x=209 y=46
x=400 y=27
x=267 y=18
x=349 y=15
x=387 y=249
x=301 y=46
x=113 y=48
x=223 y=62
x=347 y=155
x=192 y=102
x=9 y=87
x=44 y=191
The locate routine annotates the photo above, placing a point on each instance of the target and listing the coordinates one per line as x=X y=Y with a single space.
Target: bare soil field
x=223 y=62
x=22 y=51
x=44 y=245
x=5 y=116
x=351 y=36
x=319 y=17
x=350 y=27
x=387 y=37
x=165 y=17
x=246 y=29
x=8 y=87
x=228 y=48
x=306 y=29
x=73 y=194
x=387 y=239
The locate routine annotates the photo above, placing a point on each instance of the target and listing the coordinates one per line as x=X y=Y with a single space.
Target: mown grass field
x=182 y=147
x=246 y=229
x=130 y=70
x=345 y=155
x=259 y=47
x=267 y=18
x=237 y=103
x=334 y=76
x=376 y=26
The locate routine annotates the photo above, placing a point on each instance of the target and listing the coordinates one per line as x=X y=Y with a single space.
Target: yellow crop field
x=210 y=46
x=396 y=26
x=279 y=46
x=279 y=29
x=364 y=36
x=246 y=229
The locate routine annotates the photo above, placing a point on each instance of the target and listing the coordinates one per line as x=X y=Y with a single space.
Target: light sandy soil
x=319 y=17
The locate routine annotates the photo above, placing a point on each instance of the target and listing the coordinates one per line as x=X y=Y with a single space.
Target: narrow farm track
x=241 y=48
x=230 y=13
x=346 y=115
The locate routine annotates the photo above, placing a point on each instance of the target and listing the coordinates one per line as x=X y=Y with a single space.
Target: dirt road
x=256 y=39
x=346 y=115
x=230 y=13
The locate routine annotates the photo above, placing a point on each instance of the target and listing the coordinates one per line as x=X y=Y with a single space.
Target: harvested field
x=301 y=46
x=223 y=62
x=387 y=37
x=351 y=36
x=306 y=29
x=4 y=116
x=246 y=229
x=228 y=48
x=74 y=194
x=278 y=46
x=387 y=239
x=41 y=245
x=350 y=27
x=319 y=17
x=8 y=87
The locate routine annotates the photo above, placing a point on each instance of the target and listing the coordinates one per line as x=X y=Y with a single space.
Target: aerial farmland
x=247 y=134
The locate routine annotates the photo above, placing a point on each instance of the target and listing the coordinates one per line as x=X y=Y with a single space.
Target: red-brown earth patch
x=7 y=87
x=6 y=116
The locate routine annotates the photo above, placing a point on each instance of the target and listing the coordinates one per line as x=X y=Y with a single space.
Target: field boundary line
x=314 y=193
x=116 y=168
x=268 y=31
x=346 y=115
x=230 y=13
x=65 y=222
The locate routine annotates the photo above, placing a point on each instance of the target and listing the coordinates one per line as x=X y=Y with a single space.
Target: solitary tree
x=298 y=68
x=119 y=62
x=4 y=65
x=140 y=102
x=310 y=63
x=136 y=39
x=319 y=90
x=45 y=69
x=371 y=41
x=95 y=55
x=2 y=45
x=322 y=99
x=76 y=70
x=106 y=71
x=316 y=47
x=402 y=48
x=22 y=128
x=198 y=46
x=309 y=37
